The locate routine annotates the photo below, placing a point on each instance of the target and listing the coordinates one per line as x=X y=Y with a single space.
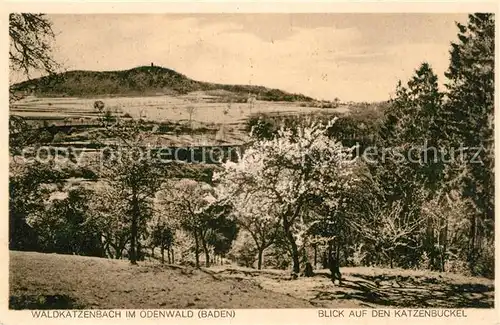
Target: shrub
x=261 y=127
x=243 y=252
x=277 y=257
x=458 y=266
x=485 y=264
x=358 y=257
x=59 y=137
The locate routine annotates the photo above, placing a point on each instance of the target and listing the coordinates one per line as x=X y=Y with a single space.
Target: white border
x=243 y=316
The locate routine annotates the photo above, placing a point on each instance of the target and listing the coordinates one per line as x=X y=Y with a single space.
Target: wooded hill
x=145 y=80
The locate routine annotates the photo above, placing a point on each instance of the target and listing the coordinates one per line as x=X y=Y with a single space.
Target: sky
x=355 y=57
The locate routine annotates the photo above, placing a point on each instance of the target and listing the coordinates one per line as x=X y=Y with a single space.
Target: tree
x=469 y=113
x=412 y=169
x=187 y=201
x=31 y=38
x=162 y=235
x=22 y=135
x=190 y=110
x=108 y=212
x=132 y=173
x=65 y=227
x=27 y=194
x=242 y=251
x=411 y=117
x=447 y=213
x=220 y=228
x=30 y=50
x=257 y=216
x=392 y=231
x=296 y=170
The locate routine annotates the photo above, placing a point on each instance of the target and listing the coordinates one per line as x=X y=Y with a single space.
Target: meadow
x=52 y=281
x=205 y=108
x=198 y=117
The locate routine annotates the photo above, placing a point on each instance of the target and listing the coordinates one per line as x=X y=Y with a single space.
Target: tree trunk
x=430 y=243
x=152 y=252
x=106 y=249
x=162 y=250
x=168 y=256
x=445 y=246
x=346 y=253
x=291 y=239
x=259 y=261
x=133 y=229
x=138 y=254
x=472 y=243
x=172 y=253
x=295 y=251
x=207 y=253
x=315 y=255
x=324 y=260
x=119 y=251
x=196 y=249
x=207 y=257
x=120 y=247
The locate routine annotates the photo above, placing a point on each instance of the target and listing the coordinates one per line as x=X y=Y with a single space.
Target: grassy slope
x=140 y=81
x=101 y=283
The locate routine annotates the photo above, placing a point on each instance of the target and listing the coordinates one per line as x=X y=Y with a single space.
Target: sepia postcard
x=249 y=163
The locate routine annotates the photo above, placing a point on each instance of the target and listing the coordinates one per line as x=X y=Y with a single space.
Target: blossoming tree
x=296 y=172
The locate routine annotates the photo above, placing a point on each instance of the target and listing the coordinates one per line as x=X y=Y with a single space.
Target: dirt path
x=372 y=287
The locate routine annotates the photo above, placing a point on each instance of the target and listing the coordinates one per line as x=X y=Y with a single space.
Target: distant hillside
x=145 y=80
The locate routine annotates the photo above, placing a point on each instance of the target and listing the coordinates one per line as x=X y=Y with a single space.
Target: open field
x=209 y=123
x=64 y=281
x=156 y=108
